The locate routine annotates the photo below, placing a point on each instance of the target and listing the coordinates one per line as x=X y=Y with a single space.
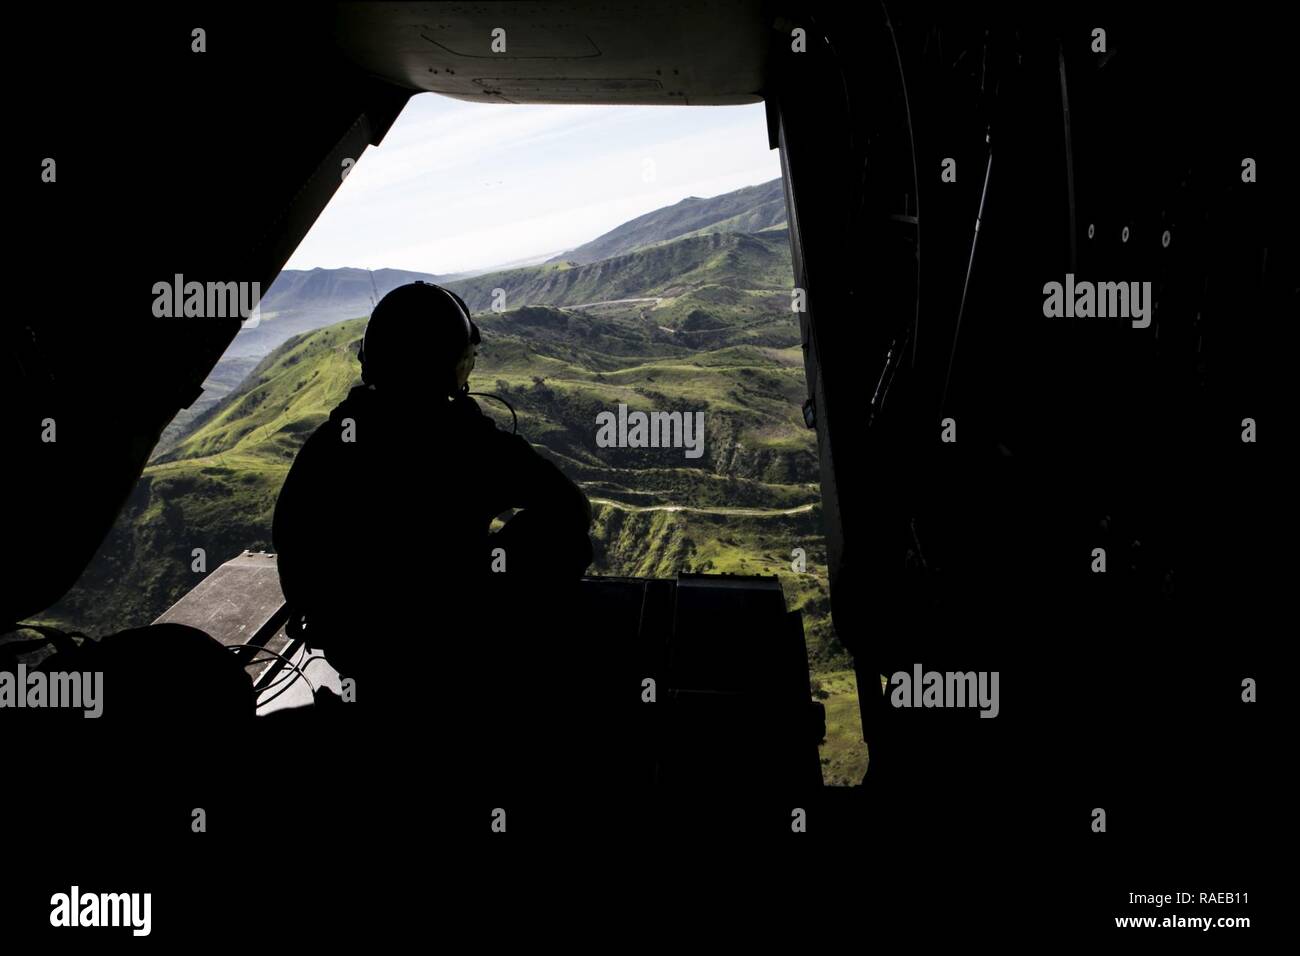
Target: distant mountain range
x=301 y=300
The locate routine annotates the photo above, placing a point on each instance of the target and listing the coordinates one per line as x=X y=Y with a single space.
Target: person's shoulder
x=488 y=439
x=324 y=441
x=358 y=400
x=469 y=414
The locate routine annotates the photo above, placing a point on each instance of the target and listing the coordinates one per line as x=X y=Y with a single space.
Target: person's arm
x=305 y=533
x=520 y=477
x=537 y=484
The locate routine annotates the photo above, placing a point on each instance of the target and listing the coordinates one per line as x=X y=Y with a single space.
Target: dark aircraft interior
x=942 y=165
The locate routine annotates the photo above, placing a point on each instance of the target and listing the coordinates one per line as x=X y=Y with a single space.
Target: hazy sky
x=457 y=186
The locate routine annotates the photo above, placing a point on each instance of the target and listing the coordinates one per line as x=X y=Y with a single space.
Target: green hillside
x=718 y=336
x=750 y=209
x=743 y=263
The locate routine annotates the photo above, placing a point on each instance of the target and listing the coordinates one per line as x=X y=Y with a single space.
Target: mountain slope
x=299 y=301
x=744 y=210
x=741 y=262
x=696 y=286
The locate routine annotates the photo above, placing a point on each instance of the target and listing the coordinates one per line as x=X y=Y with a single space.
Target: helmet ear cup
x=366 y=377
x=471 y=328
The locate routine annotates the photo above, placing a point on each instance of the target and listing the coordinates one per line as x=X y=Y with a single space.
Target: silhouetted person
x=382 y=526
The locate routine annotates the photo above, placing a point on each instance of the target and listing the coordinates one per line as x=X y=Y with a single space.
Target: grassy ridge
x=749 y=209
x=741 y=261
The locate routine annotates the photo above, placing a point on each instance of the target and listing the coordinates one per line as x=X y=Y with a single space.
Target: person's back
x=382 y=526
